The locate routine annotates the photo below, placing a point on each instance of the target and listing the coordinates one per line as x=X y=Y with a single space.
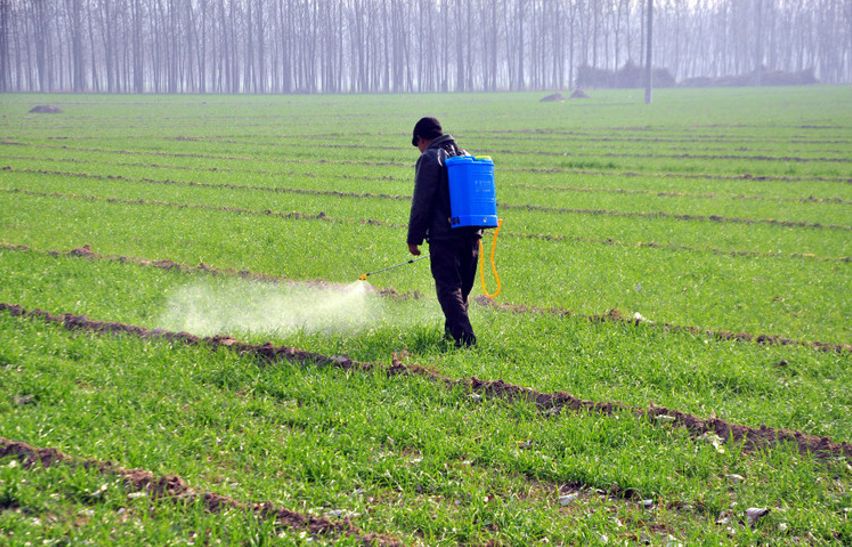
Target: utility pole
x=648 y=69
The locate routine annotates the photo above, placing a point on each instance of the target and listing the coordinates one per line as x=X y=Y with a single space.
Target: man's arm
x=426 y=180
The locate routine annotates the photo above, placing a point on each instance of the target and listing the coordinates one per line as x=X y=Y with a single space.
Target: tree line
x=365 y=46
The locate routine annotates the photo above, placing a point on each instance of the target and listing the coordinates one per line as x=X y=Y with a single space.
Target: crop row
x=579 y=149
x=176 y=488
x=562 y=188
x=545 y=147
x=321 y=215
x=263 y=239
x=399 y=197
x=732 y=171
x=613 y=315
x=750 y=437
x=597 y=358
x=559 y=136
x=601 y=152
x=741 y=142
x=547 y=170
x=395 y=450
x=663 y=232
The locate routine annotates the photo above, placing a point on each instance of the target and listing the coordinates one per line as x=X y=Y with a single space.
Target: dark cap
x=427 y=128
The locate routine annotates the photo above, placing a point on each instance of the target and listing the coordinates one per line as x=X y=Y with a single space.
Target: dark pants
x=453 y=263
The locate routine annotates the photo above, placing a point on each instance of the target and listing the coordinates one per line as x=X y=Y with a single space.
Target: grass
x=226 y=424
x=637 y=365
x=796 y=298
x=613 y=188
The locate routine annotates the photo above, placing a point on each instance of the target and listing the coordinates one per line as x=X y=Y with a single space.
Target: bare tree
x=285 y=46
x=649 y=33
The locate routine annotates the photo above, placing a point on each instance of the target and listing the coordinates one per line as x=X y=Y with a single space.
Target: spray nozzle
x=363 y=276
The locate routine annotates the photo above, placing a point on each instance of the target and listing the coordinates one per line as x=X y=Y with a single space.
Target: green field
x=711 y=213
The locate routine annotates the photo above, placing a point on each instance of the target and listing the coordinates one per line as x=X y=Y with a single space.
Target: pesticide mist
x=219 y=306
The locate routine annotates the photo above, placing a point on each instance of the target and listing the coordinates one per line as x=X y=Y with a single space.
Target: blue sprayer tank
x=473 y=196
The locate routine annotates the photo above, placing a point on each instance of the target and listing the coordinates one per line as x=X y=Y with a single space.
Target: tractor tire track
x=398 y=197
x=173 y=487
x=613 y=316
x=752 y=438
x=321 y=216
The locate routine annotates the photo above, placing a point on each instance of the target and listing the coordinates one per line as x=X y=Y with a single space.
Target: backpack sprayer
x=473 y=203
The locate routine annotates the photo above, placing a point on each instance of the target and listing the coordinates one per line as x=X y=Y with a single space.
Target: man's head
x=425 y=131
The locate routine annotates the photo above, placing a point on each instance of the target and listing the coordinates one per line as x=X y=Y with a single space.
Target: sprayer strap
x=493 y=265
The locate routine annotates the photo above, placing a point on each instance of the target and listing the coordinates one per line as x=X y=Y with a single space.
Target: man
x=454 y=252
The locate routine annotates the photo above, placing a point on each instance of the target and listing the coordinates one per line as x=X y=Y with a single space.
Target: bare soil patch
x=45 y=109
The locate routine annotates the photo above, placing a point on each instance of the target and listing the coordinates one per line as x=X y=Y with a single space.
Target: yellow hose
x=493 y=265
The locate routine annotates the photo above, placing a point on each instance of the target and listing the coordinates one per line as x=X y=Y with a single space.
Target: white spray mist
x=218 y=306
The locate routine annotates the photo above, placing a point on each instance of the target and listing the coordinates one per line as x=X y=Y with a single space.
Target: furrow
x=536 y=136
x=618 y=155
x=673 y=152
x=554 y=402
x=679 y=216
x=175 y=488
x=321 y=216
x=372 y=163
x=613 y=316
x=169 y=265
x=279 y=189
x=396 y=197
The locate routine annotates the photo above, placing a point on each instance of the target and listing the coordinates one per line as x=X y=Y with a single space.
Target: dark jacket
x=430 y=205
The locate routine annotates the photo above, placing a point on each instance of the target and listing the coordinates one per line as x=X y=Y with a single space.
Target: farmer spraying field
x=454 y=241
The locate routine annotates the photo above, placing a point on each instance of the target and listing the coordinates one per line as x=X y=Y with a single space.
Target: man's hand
x=413 y=249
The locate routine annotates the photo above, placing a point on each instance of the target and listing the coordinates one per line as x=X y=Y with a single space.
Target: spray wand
x=364 y=276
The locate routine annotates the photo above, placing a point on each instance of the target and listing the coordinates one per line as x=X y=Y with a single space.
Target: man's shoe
x=466 y=340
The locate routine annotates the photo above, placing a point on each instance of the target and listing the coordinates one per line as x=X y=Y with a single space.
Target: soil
x=45 y=109
x=174 y=487
x=554 y=98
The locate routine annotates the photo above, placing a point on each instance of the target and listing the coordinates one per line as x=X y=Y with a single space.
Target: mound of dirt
x=579 y=94
x=45 y=109
x=555 y=98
